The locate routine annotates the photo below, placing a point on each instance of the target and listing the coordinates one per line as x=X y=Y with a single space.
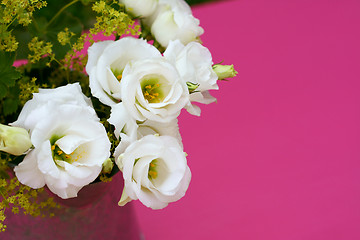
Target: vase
x=94 y=214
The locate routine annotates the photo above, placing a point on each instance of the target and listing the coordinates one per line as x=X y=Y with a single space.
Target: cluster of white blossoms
x=146 y=90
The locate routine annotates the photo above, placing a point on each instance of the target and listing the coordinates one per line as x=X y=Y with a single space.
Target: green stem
x=61 y=10
x=35 y=24
x=10 y=23
x=4 y=198
x=57 y=61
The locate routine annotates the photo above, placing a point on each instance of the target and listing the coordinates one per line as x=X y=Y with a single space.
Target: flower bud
x=14 y=140
x=108 y=165
x=224 y=71
x=192 y=86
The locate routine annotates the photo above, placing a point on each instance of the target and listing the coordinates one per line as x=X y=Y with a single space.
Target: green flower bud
x=192 y=86
x=14 y=140
x=108 y=166
x=224 y=71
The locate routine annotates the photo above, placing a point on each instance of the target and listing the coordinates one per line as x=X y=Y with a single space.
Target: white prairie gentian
x=174 y=20
x=14 y=140
x=155 y=171
x=70 y=144
x=194 y=63
x=152 y=89
x=140 y=8
x=106 y=62
x=129 y=130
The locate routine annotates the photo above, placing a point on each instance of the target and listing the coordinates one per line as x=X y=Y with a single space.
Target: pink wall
x=278 y=156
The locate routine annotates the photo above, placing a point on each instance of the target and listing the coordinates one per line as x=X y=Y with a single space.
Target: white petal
x=94 y=52
x=119 y=117
x=69 y=192
x=70 y=142
x=193 y=109
x=141 y=169
x=98 y=91
x=28 y=173
x=80 y=175
x=149 y=199
x=45 y=161
x=124 y=198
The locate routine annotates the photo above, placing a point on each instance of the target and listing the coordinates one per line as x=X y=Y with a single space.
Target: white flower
x=14 y=140
x=152 y=89
x=129 y=130
x=142 y=8
x=106 y=62
x=155 y=171
x=70 y=144
x=174 y=20
x=194 y=63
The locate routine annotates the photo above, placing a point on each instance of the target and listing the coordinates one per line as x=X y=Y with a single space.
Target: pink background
x=278 y=156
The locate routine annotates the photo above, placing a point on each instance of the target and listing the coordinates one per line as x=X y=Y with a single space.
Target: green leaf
x=10 y=106
x=8 y=73
x=3 y=90
x=8 y=78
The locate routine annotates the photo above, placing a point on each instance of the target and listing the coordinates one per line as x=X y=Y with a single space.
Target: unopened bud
x=14 y=140
x=108 y=166
x=224 y=71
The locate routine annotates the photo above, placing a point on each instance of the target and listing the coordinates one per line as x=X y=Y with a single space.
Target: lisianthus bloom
x=70 y=144
x=155 y=171
x=129 y=130
x=140 y=8
x=14 y=140
x=194 y=63
x=173 y=20
x=106 y=63
x=152 y=89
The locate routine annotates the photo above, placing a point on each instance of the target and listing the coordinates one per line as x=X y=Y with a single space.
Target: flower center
x=152 y=173
x=59 y=155
x=151 y=90
x=117 y=73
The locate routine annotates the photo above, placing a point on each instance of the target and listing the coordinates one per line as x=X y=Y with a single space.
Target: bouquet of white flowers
x=98 y=90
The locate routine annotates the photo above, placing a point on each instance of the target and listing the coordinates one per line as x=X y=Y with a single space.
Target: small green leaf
x=10 y=106
x=3 y=90
x=9 y=76
x=8 y=73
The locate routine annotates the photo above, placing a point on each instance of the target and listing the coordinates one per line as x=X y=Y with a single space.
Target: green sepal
x=192 y=86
